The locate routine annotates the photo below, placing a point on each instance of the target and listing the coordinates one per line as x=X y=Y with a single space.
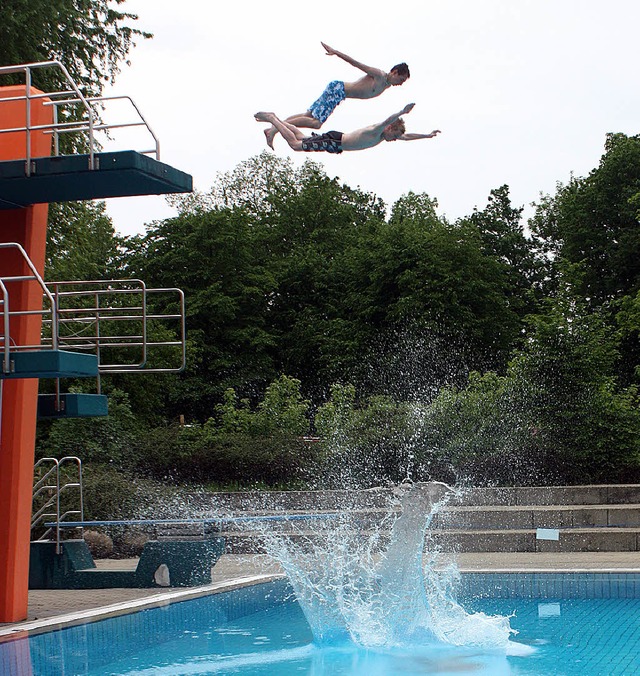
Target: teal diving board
x=68 y=178
x=51 y=364
x=72 y=405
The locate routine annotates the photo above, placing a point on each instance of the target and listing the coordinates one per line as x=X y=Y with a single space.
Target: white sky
x=524 y=91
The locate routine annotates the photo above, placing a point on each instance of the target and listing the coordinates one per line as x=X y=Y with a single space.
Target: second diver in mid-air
x=391 y=129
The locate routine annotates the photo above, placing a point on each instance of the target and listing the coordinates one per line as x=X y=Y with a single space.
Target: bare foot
x=270 y=134
x=263 y=116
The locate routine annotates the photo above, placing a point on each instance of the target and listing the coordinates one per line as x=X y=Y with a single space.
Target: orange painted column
x=28 y=227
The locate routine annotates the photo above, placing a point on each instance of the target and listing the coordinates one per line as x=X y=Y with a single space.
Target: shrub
x=130 y=544
x=100 y=544
x=366 y=445
x=109 y=493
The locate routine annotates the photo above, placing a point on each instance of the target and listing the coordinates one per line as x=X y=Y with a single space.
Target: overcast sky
x=524 y=91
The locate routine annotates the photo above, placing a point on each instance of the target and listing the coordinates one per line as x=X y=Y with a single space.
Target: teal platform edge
x=72 y=405
x=69 y=178
x=51 y=364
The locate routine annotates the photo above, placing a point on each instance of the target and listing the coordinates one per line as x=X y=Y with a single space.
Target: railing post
x=27 y=167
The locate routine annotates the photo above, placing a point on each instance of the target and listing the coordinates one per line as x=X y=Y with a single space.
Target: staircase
x=587 y=518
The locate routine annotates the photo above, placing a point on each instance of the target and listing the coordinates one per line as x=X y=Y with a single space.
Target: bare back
x=367 y=137
x=368 y=86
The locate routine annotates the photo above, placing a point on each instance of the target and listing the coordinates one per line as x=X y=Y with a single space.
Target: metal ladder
x=47 y=490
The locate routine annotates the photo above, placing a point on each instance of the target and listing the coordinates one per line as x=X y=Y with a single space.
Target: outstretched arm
x=415 y=137
x=369 y=70
x=392 y=118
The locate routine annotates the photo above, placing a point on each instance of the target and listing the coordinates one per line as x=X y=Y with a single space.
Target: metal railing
x=113 y=319
x=91 y=112
x=47 y=493
x=7 y=282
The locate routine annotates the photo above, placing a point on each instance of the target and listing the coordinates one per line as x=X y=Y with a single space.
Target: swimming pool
x=262 y=630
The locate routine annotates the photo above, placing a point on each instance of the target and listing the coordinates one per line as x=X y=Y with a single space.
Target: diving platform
x=58 y=141
x=72 y=405
x=65 y=178
x=64 y=145
x=51 y=364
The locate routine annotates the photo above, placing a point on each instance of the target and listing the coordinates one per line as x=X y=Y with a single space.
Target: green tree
x=503 y=239
x=112 y=439
x=592 y=223
x=250 y=186
x=81 y=243
x=90 y=37
x=311 y=235
x=216 y=258
x=558 y=415
x=420 y=276
x=627 y=321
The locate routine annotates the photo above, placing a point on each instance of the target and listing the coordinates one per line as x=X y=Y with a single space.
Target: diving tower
x=73 y=332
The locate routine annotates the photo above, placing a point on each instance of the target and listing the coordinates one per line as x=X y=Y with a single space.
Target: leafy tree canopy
x=593 y=223
x=89 y=37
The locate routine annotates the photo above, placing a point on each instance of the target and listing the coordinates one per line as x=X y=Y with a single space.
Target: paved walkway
x=234 y=568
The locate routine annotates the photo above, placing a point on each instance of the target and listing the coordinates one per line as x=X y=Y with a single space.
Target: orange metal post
x=27 y=226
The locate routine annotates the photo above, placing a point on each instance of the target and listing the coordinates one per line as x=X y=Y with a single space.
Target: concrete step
x=538 y=516
x=516 y=540
x=552 y=495
x=524 y=540
x=378 y=498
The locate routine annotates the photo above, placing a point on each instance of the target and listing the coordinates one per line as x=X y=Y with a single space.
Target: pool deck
x=51 y=608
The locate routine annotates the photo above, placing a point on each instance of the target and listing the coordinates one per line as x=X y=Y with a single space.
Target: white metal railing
x=92 y=110
x=109 y=318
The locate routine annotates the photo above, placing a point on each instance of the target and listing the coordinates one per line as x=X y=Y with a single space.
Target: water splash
x=362 y=578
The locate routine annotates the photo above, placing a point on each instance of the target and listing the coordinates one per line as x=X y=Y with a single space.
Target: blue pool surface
x=262 y=630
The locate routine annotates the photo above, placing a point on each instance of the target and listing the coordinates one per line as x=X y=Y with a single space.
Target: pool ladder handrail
x=48 y=485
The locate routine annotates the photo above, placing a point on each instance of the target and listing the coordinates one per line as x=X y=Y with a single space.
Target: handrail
x=7 y=314
x=6 y=358
x=97 y=316
x=102 y=314
x=89 y=124
x=38 y=516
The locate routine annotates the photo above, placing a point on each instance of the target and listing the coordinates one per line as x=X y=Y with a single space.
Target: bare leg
x=291 y=134
x=300 y=120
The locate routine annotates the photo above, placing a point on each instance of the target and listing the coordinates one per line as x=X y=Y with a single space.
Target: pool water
x=262 y=630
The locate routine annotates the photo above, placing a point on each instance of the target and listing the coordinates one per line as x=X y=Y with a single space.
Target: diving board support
x=27 y=227
x=188 y=564
x=30 y=121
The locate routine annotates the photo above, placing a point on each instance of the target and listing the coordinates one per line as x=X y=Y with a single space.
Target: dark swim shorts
x=331 y=142
x=329 y=99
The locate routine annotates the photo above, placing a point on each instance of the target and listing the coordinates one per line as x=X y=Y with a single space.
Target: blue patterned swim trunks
x=329 y=99
x=331 y=142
